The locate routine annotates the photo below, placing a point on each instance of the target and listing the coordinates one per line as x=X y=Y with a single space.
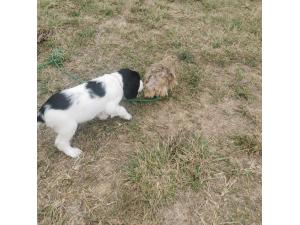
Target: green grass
x=55 y=59
x=185 y=161
x=151 y=17
x=107 y=12
x=43 y=86
x=244 y=111
x=242 y=92
x=241 y=86
x=248 y=143
x=216 y=44
x=88 y=32
x=210 y=5
x=186 y=56
x=74 y=13
x=52 y=214
x=192 y=76
x=84 y=37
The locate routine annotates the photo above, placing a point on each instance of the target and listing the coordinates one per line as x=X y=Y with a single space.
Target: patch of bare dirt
x=215 y=121
x=223 y=201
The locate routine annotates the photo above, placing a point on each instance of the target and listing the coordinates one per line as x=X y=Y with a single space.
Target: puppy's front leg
x=120 y=111
x=65 y=133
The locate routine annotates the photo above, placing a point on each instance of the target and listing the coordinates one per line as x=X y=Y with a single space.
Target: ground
x=192 y=158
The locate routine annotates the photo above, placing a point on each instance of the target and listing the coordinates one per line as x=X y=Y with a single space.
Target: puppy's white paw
x=127 y=117
x=74 y=152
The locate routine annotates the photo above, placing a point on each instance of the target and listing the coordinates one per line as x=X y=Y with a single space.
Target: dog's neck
x=119 y=80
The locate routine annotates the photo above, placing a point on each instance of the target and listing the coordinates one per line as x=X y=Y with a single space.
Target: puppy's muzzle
x=141 y=86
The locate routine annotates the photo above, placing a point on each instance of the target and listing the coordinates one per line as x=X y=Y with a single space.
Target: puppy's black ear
x=131 y=82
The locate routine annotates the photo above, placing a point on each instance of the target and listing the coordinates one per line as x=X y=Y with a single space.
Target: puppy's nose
x=141 y=86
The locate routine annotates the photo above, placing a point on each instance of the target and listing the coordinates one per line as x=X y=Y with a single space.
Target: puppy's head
x=132 y=83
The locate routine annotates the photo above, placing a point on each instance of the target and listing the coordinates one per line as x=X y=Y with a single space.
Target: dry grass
x=193 y=158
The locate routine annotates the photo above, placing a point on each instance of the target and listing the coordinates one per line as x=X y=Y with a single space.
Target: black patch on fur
x=95 y=89
x=40 y=119
x=59 y=101
x=56 y=101
x=131 y=82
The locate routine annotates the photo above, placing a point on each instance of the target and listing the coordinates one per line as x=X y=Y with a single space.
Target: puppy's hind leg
x=65 y=133
x=102 y=116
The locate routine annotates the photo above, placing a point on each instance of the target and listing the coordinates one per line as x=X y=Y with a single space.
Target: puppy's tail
x=40 y=115
x=40 y=119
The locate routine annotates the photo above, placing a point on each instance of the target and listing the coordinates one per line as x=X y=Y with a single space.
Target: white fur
x=141 y=86
x=85 y=108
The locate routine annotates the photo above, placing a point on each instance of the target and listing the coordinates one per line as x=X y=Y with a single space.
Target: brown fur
x=160 y=78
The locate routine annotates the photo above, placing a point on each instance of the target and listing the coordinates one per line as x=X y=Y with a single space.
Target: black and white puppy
x=99 y=97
